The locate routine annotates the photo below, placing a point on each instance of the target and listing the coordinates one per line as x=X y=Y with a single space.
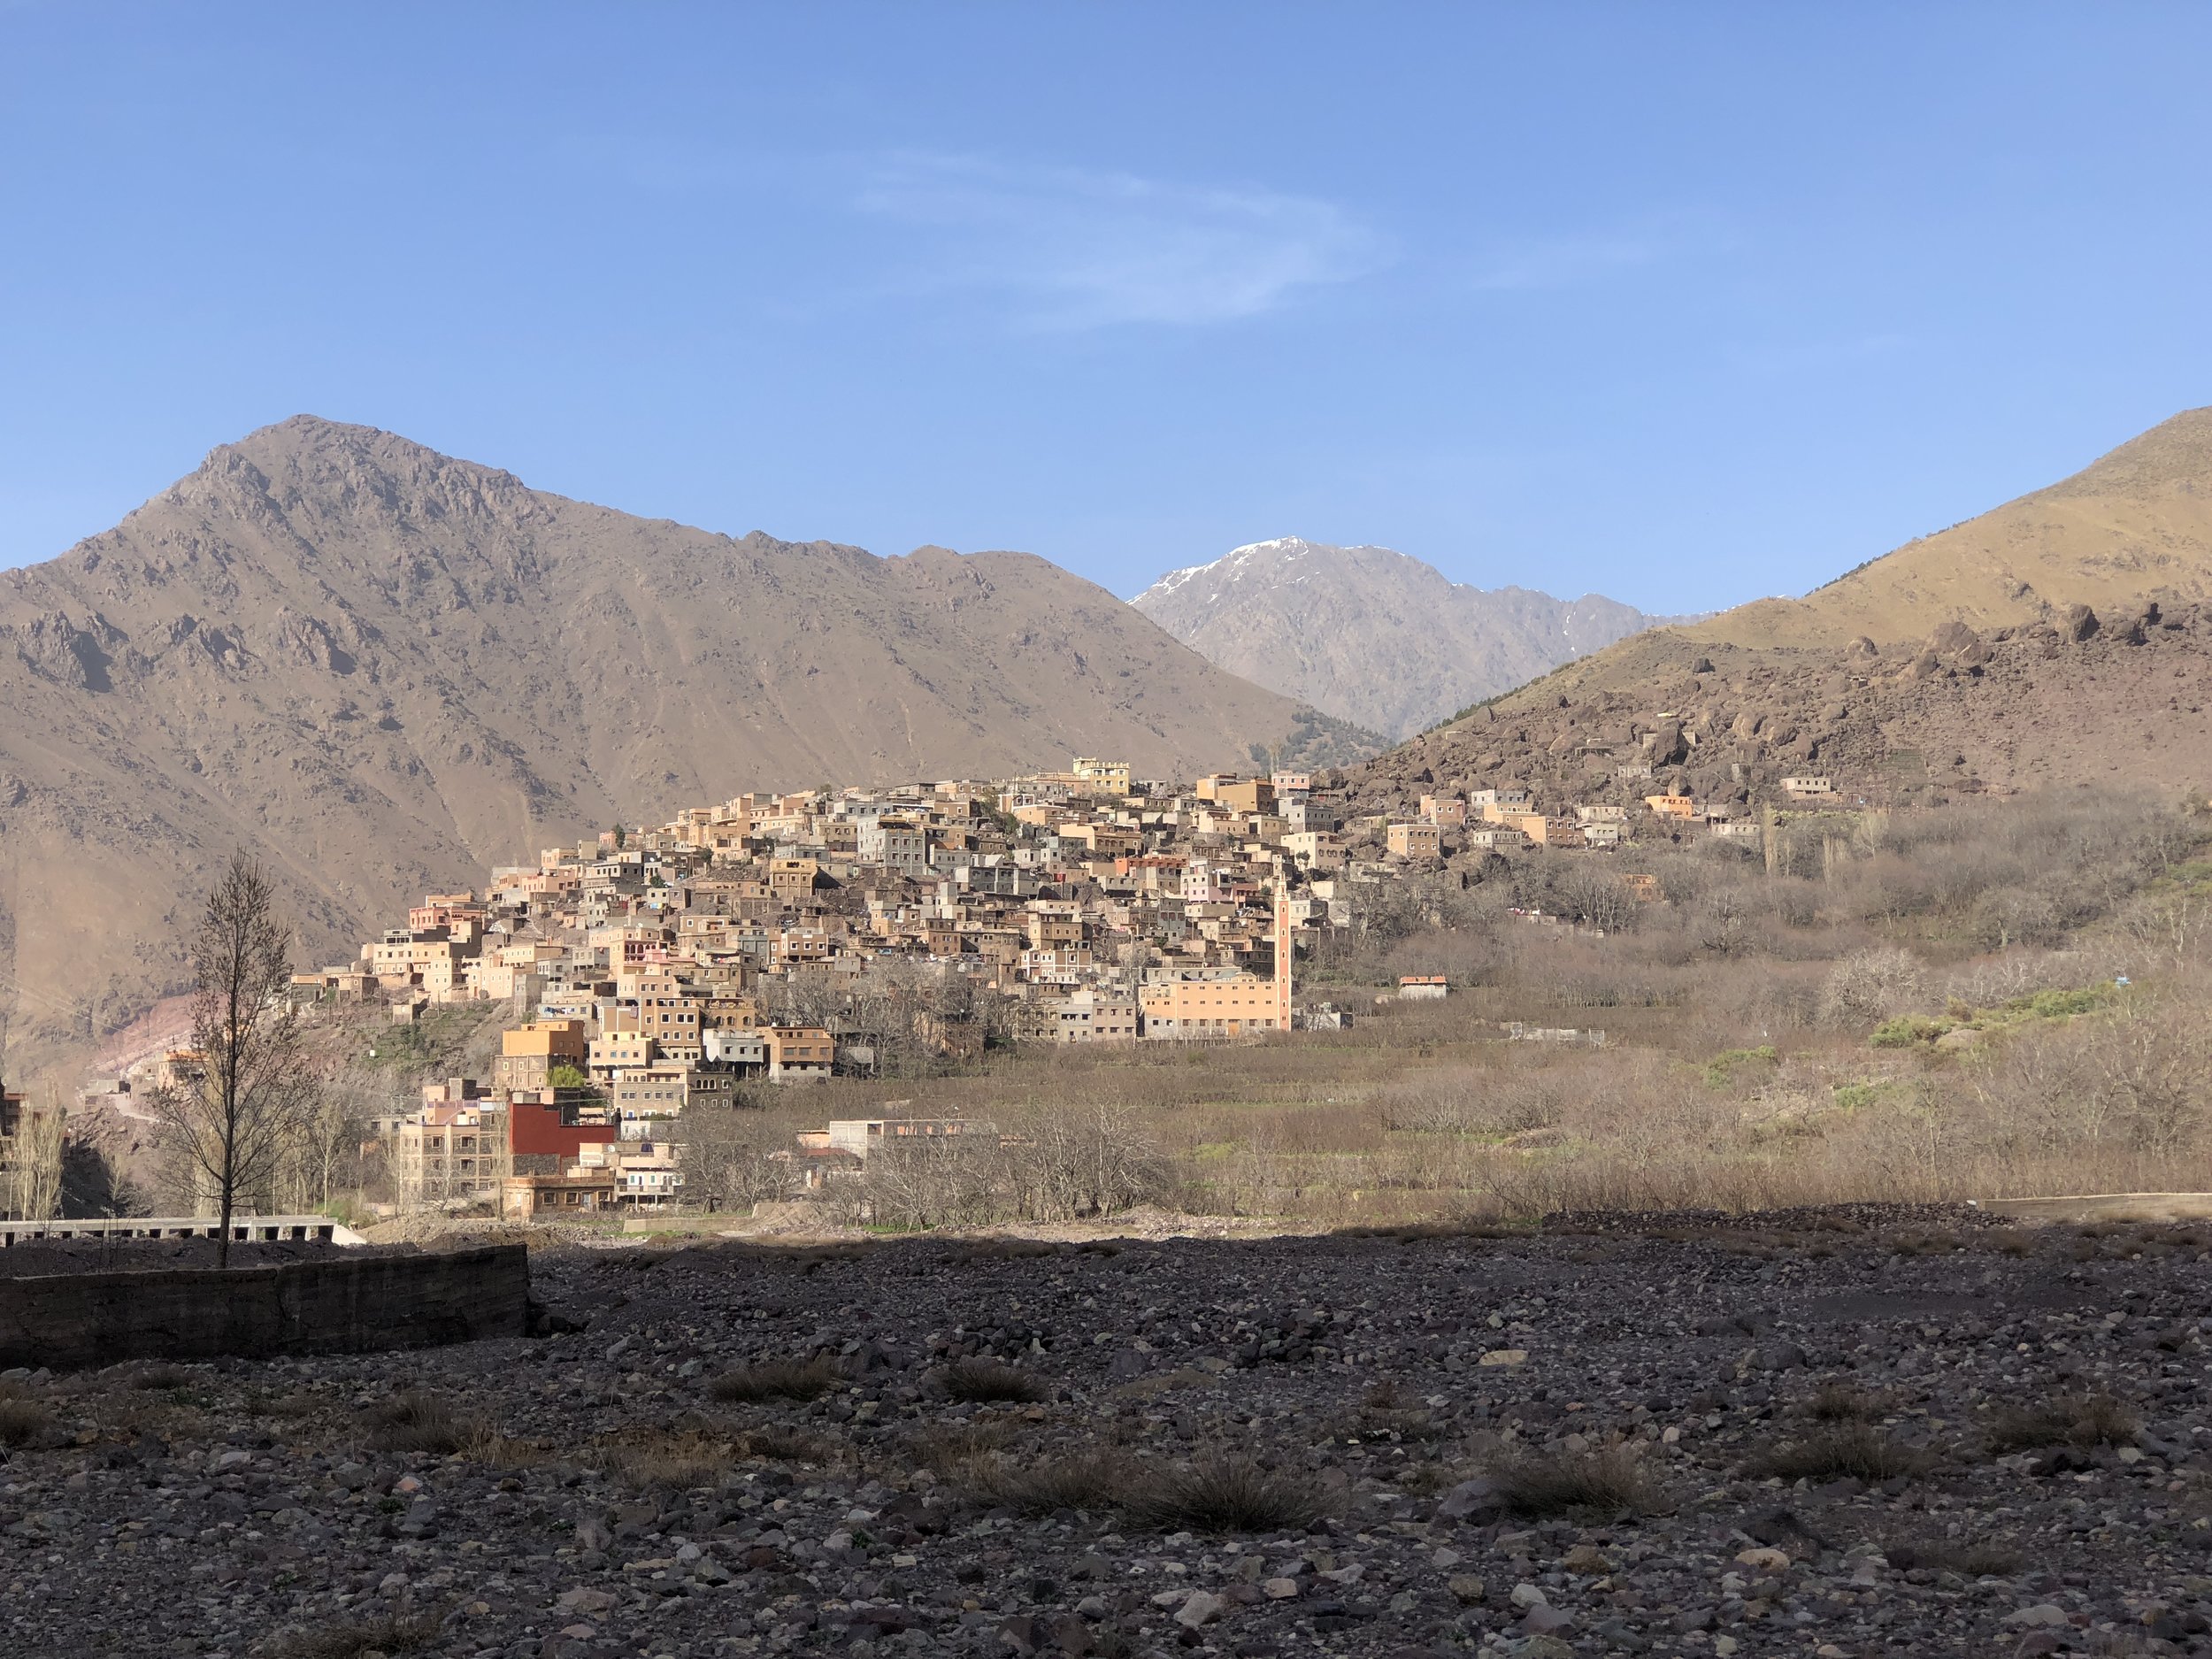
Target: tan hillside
x=2136 y=524
x=2063 y=639
x=382 y=669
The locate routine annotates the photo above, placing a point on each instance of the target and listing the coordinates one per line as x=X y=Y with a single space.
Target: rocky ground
x=2075 y=700
x=1831 y=1434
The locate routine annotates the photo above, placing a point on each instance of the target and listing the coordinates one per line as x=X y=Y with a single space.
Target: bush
x=777 y=1379
x=1909 y=1031
x=1867 y=987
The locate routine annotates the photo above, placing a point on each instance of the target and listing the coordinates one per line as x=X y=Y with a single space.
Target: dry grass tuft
x=1228 y=1491
x=1841 y=1403
x=986 y=1382
x=1540 y=1486
x=419 y=1421
x=22 y=1419
x=161 y=1377
x=778 y=1444
x=1220 y=1492
x=678 y=1461
x=947 y=1447
x=1093 y=1480
x=777 y=1379
x=394 y=1633
x=2065 y=1420
x=1949 y=1555
x=1851 y=1450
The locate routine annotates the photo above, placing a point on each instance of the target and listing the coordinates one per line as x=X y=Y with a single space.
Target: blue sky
x=1681 y=303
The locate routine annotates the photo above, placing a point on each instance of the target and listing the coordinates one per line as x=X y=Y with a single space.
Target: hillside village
x=774 y=938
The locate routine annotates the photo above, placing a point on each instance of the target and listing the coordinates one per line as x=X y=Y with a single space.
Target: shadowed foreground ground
x=1835 y=1431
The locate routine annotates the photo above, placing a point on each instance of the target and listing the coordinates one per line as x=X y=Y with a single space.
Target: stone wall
x=344 y=1305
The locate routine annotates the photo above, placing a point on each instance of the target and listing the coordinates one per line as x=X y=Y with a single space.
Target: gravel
x=1419 y=1443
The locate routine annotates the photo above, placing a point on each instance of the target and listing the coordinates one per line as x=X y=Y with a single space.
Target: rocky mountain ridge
x=2064 y=639
x=1373 y=635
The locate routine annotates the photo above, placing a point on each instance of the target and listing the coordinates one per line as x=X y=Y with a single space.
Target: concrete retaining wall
x=346 y=1305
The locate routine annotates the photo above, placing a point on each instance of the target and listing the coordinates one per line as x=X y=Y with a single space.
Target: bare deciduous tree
x=723 y=1156
x=1869 y=986
x=35 y=1140
x=230 y=1124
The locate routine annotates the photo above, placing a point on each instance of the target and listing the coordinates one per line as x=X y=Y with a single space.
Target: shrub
x=1871 y=985
x=777 y=1379
x=987 y=1381
x=1732 y=1063
x=1540 y=1486
x=1851 y=1451
x=1909 y=1031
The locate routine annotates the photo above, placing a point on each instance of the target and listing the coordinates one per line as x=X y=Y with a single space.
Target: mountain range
x=381 y=669
x=1372 y=635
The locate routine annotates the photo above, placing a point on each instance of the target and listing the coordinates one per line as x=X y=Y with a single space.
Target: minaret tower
x=1282 y=951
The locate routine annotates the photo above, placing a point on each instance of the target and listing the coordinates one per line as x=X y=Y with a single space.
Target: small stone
x=1589 y=1560
x=1465 y=1588
x=1765 y=1559
x=1204 y=1608
x=1275 y=1590
x=1526 y=1595
x=1504 y=1356
x=2042 y=1613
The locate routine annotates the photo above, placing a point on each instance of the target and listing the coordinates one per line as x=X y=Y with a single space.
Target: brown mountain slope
x=2136 y=524
x=2127 y=705
x=383 y=669
x=1374 y=635
x=2065 y=638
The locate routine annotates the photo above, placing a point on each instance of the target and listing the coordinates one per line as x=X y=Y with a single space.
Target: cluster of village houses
x=656 y=971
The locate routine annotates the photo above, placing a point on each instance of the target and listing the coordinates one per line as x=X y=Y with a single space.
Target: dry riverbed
x=1835 y=1433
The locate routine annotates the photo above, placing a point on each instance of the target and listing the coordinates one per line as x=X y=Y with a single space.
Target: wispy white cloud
x=1552 y=262
x=1075 y=249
